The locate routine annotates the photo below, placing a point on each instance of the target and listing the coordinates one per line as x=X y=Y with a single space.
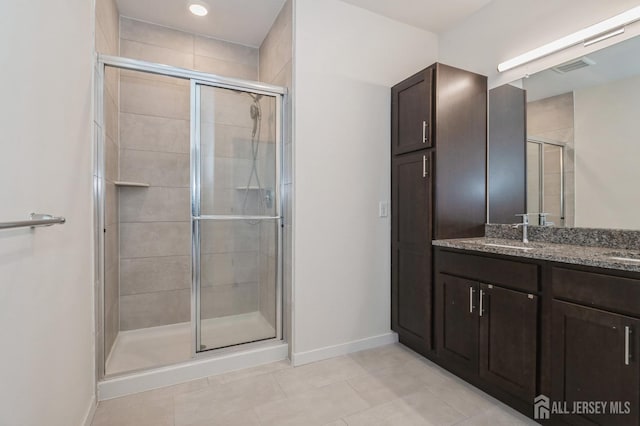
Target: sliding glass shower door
x=235 y=203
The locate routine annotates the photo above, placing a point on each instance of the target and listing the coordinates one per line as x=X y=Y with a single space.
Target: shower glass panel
x=235 y=206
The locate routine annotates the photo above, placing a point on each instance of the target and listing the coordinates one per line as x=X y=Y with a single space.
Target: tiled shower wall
x=107 y=42
x=552 y=119
x=276 y=67
x=155 y=229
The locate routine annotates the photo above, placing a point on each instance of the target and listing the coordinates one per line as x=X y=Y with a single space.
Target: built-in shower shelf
x=131 y=184
x=250 y=188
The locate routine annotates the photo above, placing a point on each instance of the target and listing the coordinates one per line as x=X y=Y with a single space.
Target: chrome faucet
x=525 y=226
x=542 y=220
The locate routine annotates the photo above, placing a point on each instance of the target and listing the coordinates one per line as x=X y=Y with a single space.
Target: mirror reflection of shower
x=254 y=184
x=545 y=179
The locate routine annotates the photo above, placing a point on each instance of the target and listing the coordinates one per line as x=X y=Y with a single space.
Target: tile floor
x=389 y=385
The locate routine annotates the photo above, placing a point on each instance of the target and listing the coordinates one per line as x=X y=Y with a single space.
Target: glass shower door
x=235 y=216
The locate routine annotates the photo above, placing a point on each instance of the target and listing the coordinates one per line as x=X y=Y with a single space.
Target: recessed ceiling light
x=198 y=8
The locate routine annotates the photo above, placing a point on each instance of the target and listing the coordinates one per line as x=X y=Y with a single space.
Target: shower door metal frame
x=541 y=142
x=197 y=217
x=280 y=93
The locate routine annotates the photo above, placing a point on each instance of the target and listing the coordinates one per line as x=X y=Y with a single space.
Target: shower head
x=255 y=111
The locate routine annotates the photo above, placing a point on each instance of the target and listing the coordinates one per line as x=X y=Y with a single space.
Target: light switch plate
x=383 y=209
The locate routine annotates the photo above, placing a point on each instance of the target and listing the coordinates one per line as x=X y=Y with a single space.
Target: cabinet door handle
x=471 y=300
x=627 y=348
x=481 y=303
x=425 y=173
x=425 y=136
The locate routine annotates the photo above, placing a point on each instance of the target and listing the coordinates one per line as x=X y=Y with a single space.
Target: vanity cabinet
x=438 y=171
x=484 y=330
x=595 y=351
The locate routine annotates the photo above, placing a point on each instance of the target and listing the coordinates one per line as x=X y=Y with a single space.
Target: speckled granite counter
x=601 y=257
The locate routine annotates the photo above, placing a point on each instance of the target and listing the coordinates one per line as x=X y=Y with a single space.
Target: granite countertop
x=601 y=257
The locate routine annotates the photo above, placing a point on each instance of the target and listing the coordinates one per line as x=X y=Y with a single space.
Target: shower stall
x=188 y=196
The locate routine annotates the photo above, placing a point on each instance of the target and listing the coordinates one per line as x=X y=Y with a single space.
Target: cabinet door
x=411 y=250
x=411 y=107
x=457 y=319
x=595 y=358
x=508 y=340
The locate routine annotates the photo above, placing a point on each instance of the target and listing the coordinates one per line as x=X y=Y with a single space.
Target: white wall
x=607 y=152
x=46 y=275
x=506 y=28
x=346 y=61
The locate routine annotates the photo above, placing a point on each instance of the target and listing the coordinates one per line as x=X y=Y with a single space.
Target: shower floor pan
x=170 y=344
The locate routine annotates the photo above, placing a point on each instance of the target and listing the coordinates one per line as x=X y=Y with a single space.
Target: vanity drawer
x=609 y=292
x=508 y=273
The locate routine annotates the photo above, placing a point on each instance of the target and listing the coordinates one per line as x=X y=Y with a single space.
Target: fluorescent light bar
x=602 y=29
x=597 y=39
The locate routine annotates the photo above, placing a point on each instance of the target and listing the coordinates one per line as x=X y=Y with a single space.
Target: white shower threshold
x=160 y=346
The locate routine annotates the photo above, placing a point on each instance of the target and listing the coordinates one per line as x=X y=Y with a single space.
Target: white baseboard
x=327 y=352
x=91 y=411
x=192 y=370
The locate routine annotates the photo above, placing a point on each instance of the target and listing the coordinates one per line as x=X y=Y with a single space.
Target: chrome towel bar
x=35 y=220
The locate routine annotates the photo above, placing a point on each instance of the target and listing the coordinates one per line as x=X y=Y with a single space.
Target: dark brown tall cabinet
x=438 y=185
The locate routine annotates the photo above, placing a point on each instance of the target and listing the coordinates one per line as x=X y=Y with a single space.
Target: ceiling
x=248 y=21
x=240 y=21
x=612 y=63
x=431 y=15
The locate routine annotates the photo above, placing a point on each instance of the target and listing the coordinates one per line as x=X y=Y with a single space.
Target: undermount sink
x=507 y=246
x=515 y=245
x=625 y=256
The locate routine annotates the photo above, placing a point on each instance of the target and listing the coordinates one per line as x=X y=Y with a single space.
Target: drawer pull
x=481 y=302
x=471 y=300
x=425 y=138
x=627 y=349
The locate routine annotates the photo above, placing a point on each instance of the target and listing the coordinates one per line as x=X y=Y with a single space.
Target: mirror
x=572 y=134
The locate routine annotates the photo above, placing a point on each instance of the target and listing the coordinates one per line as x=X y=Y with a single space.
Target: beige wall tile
x=111 y=238
x=111 y=287
x=153 y=97
x=112 y=84
x=110 y=116
x=146 y=133
x=155 y=239
x=226 y=51
x=151 y=274
x=225 y=68
x=229 y=236
x=152 y=53
x=107 y=17
x=230 y=299
x=155 y=168
x=110 y=204
x=111 y=327
x=157 y=35
x=103 y=45
x=549 y=114
x=229 y=268
x=155 y=204
x=154 y=309
x=276 y=49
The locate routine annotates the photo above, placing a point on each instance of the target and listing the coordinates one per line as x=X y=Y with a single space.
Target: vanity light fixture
x=590 y=35
x=198 y=8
